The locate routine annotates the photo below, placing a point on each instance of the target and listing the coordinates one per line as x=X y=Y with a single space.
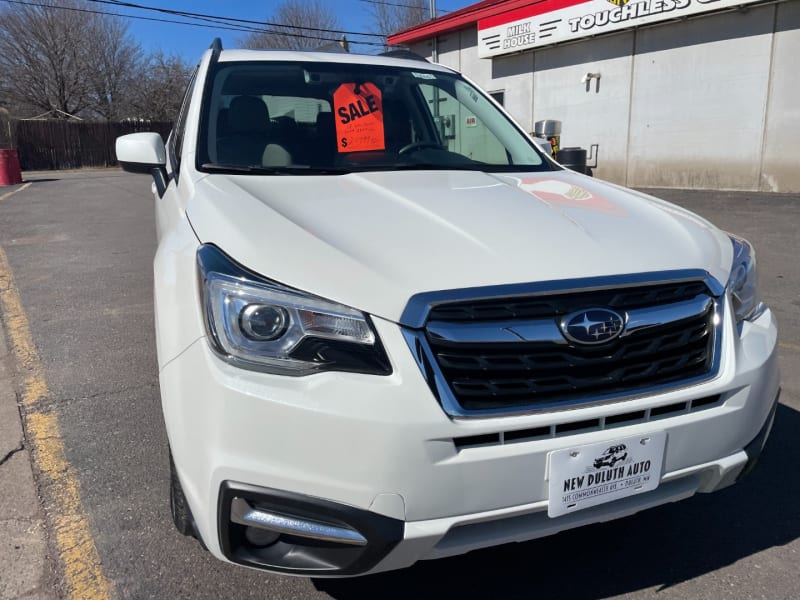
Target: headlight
x=743 y=283
x=258 y=324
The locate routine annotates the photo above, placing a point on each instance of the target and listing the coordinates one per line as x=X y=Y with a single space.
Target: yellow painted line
x=34 y=386
x=788 y=346
x=83 y=575
x=12 y=192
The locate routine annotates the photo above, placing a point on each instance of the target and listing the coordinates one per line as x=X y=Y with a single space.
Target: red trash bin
x=10 y=173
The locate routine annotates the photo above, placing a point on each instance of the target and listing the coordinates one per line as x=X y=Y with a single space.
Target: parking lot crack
x=8 y=456
x=46 y=404
x=122 y=390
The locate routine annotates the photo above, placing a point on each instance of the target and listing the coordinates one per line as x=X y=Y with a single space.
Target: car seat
x=249 y=142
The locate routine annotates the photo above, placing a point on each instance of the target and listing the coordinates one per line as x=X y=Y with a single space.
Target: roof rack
x=338 y=46
x=216 y=48
x=407 y=54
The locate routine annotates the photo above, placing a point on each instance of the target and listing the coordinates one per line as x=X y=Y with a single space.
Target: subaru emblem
x=592 y=326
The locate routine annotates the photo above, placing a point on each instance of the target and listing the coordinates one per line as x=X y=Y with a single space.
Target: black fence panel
x=47 y=145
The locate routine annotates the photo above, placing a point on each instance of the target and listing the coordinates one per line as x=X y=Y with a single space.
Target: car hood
x=373 y=240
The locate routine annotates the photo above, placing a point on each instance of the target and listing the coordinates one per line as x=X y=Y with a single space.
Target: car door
x=169 y=206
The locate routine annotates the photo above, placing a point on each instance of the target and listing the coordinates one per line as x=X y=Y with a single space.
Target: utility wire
x=204 y=17
x=217 y=25
x=425 y=8
x=102 y=12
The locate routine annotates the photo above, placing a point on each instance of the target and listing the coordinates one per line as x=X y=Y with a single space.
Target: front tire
x=179 y=507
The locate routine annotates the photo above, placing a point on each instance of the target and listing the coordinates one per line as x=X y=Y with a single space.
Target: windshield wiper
x=258 y=170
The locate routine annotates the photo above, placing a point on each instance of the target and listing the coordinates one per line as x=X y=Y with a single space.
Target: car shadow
x=658 y=548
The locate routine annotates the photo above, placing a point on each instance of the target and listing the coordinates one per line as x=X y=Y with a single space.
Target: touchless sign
x=544 y=23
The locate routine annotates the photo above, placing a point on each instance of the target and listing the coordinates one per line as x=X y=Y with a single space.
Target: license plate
x=594 y=474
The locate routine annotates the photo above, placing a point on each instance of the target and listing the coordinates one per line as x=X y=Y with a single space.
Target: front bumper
x=382 y=446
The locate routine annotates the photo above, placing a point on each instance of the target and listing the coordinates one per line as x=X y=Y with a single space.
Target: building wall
x=597 y=113
x=697 y=114
x=781 y=154
x=707 y=102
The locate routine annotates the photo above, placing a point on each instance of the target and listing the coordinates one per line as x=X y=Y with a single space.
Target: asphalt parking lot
x=79 y=248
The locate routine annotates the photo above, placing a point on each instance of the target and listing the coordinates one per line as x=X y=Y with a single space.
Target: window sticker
x=419 y=75
x=359 y=117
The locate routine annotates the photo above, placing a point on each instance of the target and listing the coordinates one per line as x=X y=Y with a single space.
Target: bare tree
x=159 y=91
x=118 y=67
x=304 y=24
x=392 y=16
x=41 y=52
x=65 y=61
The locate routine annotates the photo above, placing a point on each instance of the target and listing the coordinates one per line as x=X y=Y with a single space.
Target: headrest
x=325 y=120
x=248 y=113
x=396 y=124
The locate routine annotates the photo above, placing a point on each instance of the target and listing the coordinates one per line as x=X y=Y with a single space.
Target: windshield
x=290 y=117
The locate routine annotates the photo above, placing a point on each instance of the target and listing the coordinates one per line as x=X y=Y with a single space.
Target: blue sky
x=190 y=42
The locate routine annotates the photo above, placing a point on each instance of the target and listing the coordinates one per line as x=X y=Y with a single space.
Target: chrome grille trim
x=244 y=514
x=546 y=330
x=533 y=331
x=419 y=306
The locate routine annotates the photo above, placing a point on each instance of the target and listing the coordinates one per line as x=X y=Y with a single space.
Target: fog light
x=291 y=533
x=261 y=537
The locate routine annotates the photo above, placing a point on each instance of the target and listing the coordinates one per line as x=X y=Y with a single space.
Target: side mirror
x=144 y=153
x=544 y=145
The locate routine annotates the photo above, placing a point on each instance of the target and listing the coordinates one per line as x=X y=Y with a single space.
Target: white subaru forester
x=391 y=328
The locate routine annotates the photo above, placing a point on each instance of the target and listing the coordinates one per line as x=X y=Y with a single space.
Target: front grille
x=562 y=304
x=486 y=373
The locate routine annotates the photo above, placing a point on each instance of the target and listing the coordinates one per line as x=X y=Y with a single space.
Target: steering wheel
x=414 y=146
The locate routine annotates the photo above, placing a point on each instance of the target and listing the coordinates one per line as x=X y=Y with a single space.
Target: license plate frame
x=589 y=475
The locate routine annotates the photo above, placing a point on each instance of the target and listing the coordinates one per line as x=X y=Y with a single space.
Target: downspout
x=435 y=46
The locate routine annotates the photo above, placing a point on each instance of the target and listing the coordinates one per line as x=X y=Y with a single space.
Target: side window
x=499 y=97
x=461 y=129
x=176 y=141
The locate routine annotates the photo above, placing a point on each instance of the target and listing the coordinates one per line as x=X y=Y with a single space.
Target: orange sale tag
x=359 y=117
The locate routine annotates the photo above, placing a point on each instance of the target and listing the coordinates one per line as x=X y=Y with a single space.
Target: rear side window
x=176 y=145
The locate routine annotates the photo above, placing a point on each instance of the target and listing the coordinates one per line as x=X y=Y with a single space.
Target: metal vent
x=572 y=427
